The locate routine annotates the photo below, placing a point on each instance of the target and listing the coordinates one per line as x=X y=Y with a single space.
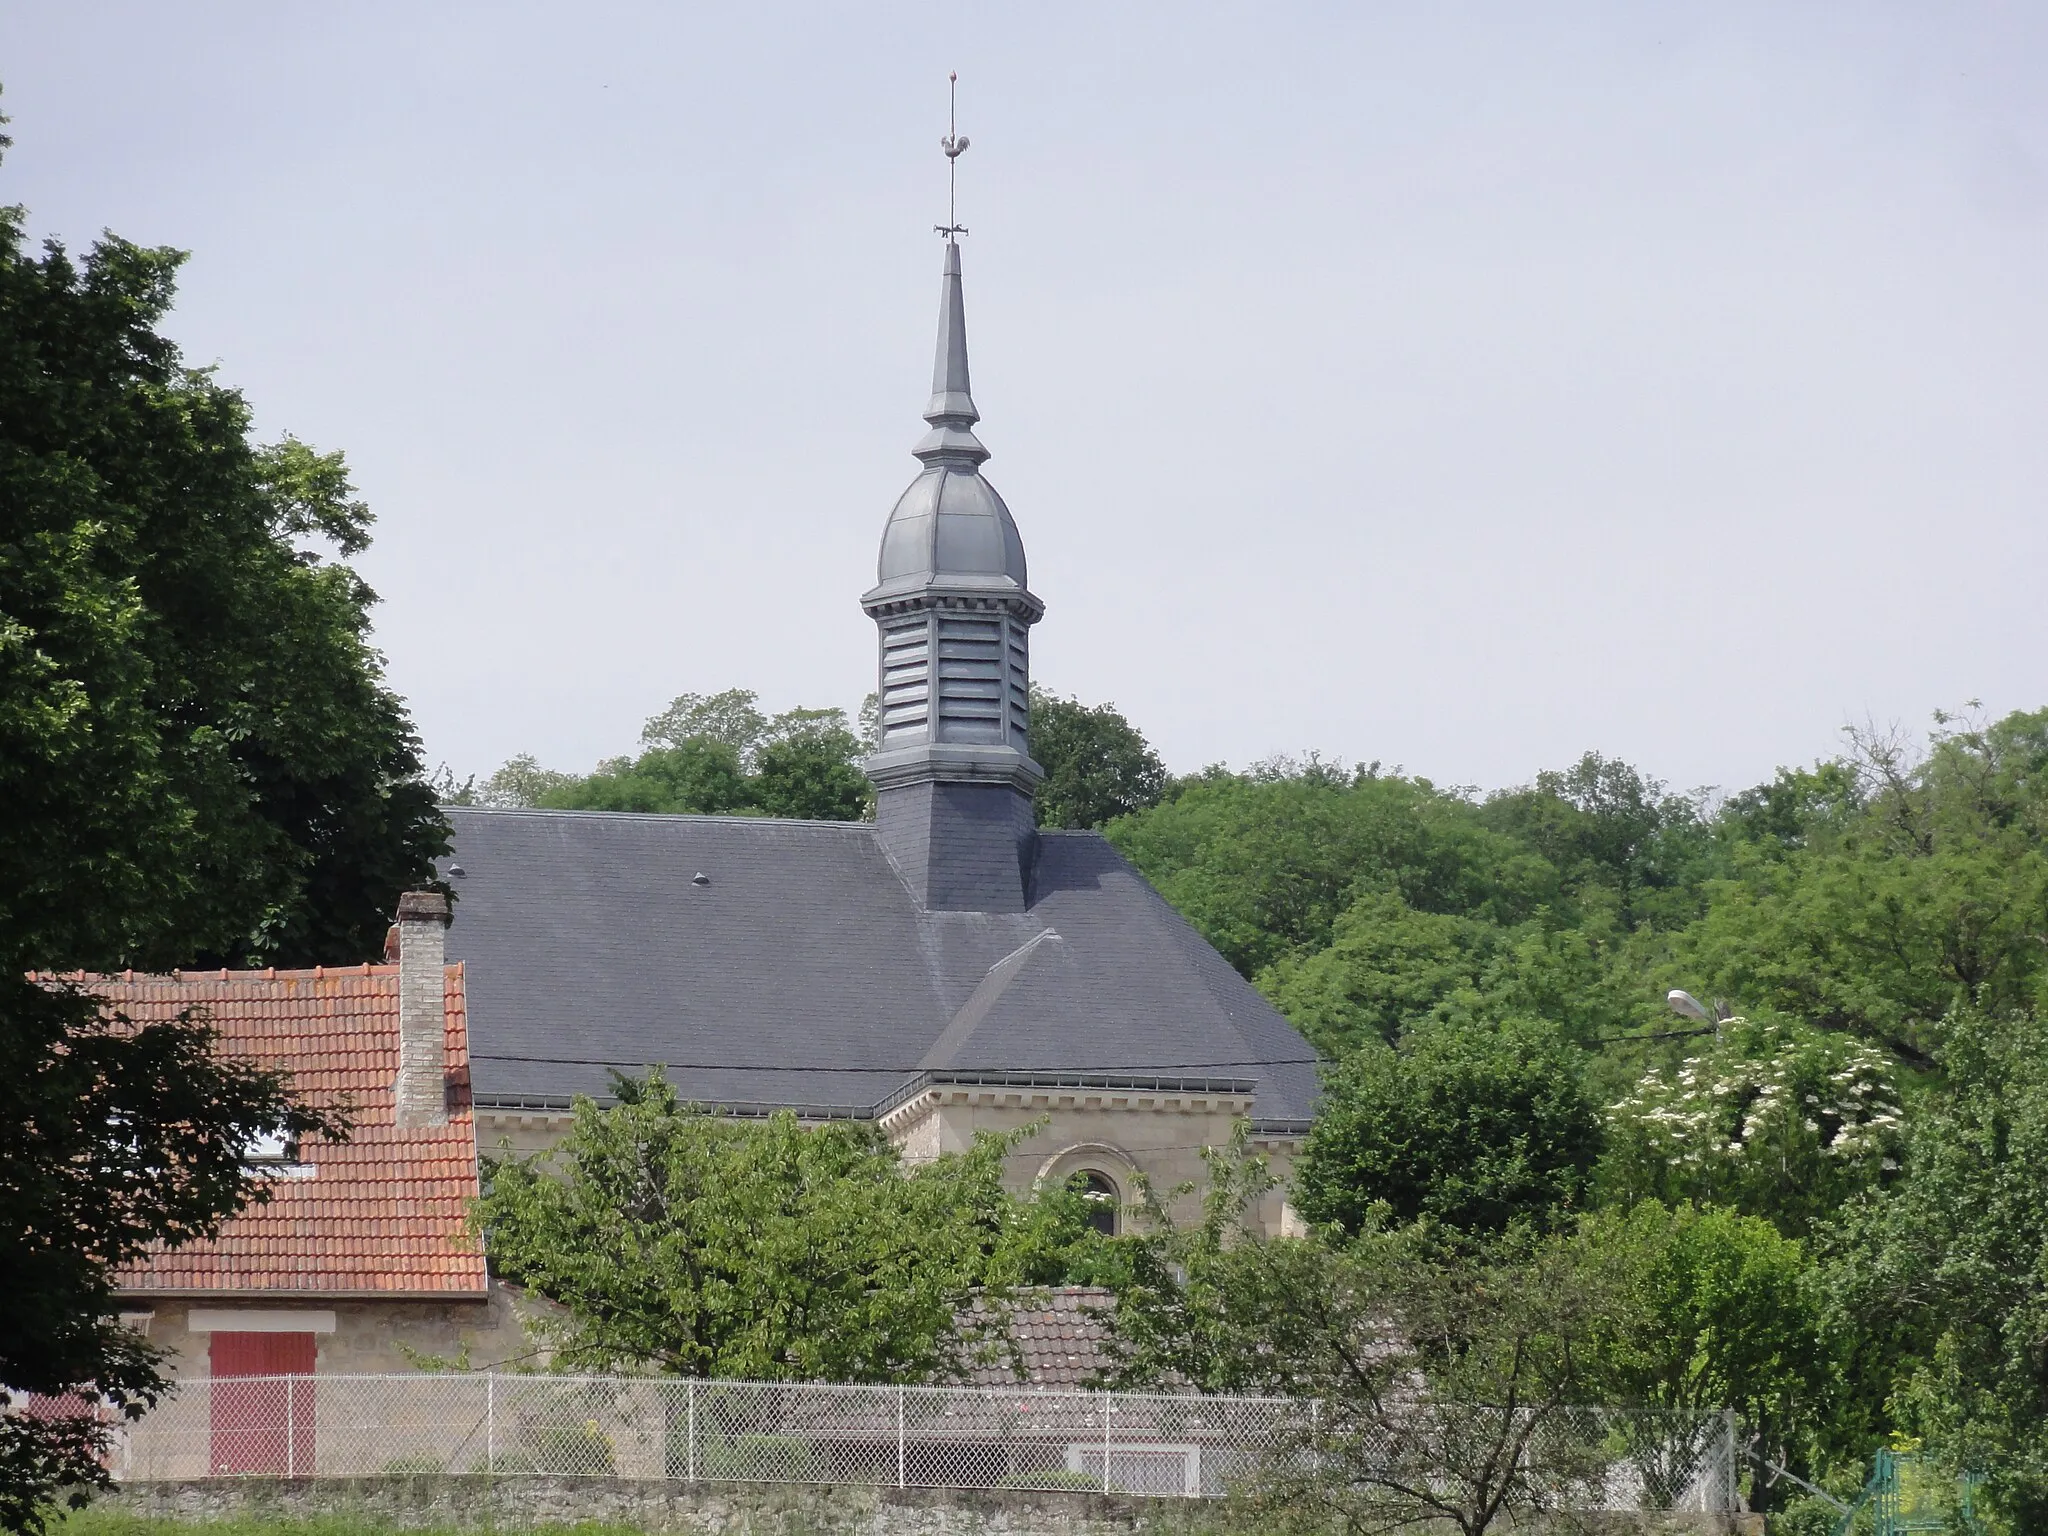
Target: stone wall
x=727 y=1509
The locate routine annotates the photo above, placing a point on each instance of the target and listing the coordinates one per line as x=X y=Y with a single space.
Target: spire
x=951 y=441
x=953 y=612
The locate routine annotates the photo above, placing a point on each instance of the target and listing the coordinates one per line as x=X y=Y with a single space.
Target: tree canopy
x=764 y=1250
x=201 y=764
x=1097 y=764
x=1844 y=1140
x=1477 y=1130
x=706 y=755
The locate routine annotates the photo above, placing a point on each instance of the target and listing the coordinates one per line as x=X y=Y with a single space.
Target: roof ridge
x=184 y=977
x=739 y=821
x=987 y=992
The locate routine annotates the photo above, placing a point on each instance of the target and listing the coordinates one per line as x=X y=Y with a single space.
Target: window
x=1100 y=1191
x=270 y=1148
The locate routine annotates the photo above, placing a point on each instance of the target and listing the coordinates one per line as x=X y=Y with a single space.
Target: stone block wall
x=739 y=1509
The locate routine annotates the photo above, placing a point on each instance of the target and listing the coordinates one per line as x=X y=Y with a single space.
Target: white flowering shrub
x=1775 y=1115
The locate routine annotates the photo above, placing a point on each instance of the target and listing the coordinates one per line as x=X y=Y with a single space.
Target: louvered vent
x=1020 y=685
x=906 y=681
x=972 y=685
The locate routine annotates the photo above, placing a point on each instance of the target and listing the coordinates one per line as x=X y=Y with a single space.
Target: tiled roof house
x=362 y=1259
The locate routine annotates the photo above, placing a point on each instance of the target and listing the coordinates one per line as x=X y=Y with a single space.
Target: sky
x=1461 y=387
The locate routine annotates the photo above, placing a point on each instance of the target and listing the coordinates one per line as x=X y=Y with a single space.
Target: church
x=945 y=969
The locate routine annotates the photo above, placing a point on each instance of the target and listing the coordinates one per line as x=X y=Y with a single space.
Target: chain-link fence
x=921 y=1437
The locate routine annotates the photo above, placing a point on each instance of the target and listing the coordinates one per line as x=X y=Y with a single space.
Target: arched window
x=1100 y=1191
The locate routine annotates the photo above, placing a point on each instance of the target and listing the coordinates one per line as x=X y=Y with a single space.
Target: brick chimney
x=422 y=1008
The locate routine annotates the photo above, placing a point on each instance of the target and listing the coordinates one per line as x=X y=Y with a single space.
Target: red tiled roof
x=384 y=1212
x=1061 y=1335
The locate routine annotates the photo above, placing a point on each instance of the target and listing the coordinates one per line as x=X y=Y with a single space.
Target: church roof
x=799 y=972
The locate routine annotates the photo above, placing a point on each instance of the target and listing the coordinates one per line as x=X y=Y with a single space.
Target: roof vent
x=456 y=872
x=700 y=878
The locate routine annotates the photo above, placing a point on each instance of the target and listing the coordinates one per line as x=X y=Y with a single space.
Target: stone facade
x=1117 y=1133
x=352 y=1337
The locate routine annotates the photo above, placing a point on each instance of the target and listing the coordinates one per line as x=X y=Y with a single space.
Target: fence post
x=490 y=1421
x=291 y=1427
x=1105 y=1442
x=1731 y=1498
x=690 y=1426
x=900 y=1393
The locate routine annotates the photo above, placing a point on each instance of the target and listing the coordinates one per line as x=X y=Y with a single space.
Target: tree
x=1098 y=766
x=1445 y=1374
x=1387 y=965
x=1945 y=1272
x=1474 y=1129
x=813 y=778
x=112 y=1139
x=1602 y=821
x=1773 y=1117
x=698 y=776
x=1722 y=1312
x=1449 y=1383
x=715 y=755
x=1929 y=893
x=200 y=760
x=761 y=1250
x=520 y=782
x=1263 y=865
x=731 y=719
x=200 y=763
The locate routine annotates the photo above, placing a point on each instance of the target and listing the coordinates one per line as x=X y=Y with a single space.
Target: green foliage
x=1880 y=923
x=1475 y=1129
x=1602 y=823
x=700 y=777
x=715 y=755
x=1390 y=968
x=1264 y=864
x=1387 y=965
x=1774 y=1117
x=199 y=763
x=1722 y=1312
x=1097 y=764
x=198 y=755
x=761 y=1250
x=813 y=777
x=1439 y=1364
x=1948 y=1266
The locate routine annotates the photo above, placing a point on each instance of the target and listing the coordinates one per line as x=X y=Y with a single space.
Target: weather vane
x=955 y=145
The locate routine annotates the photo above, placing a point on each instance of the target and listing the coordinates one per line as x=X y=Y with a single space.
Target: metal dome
x=950 y=527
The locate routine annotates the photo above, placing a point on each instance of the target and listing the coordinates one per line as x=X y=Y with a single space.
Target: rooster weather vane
x=955 y=145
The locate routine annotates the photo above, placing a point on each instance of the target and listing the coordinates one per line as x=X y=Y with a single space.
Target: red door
x=264 y=1424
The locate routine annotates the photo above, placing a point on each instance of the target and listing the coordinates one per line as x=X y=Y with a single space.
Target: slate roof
x=802 y=974
x=380 y=1215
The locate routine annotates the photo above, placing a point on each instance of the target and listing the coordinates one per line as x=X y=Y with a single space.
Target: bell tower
x=953 y=773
